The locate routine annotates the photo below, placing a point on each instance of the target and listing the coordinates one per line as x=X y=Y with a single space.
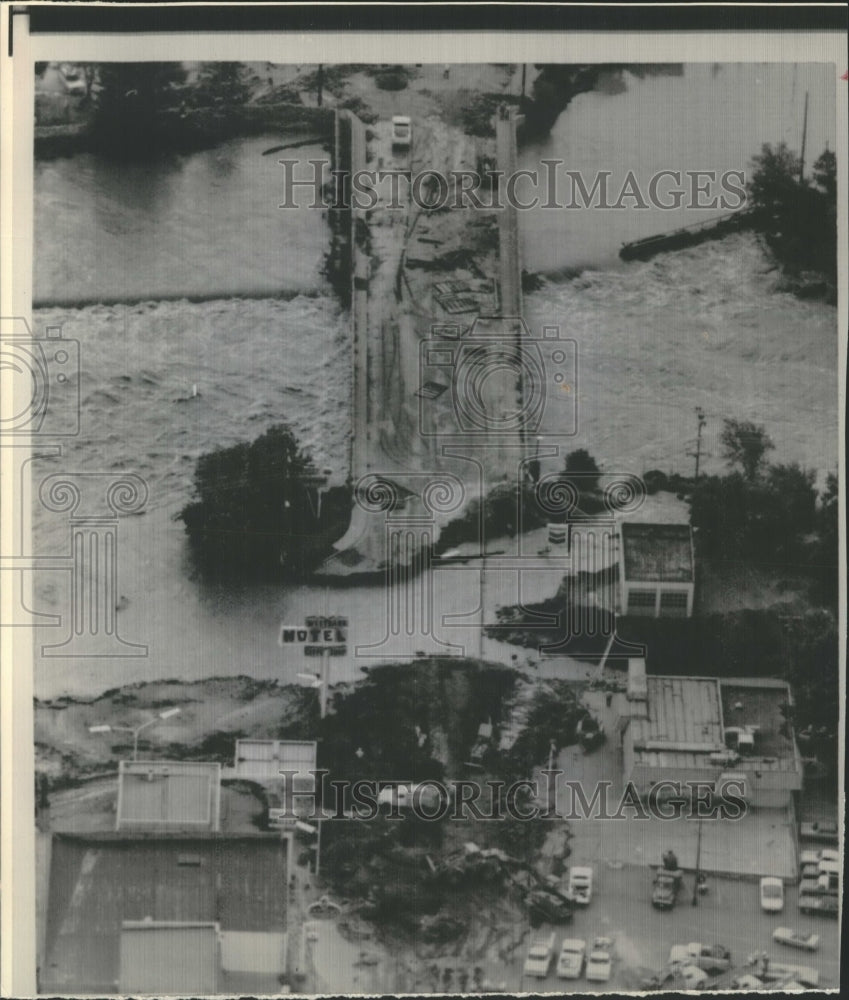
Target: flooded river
x=164 y=381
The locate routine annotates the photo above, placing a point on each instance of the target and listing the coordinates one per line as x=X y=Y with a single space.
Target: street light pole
x=135 y=731
x=698 y=863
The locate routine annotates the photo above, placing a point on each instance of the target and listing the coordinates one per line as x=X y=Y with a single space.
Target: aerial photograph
x=435 y=513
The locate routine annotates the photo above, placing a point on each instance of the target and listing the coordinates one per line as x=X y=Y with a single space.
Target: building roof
x=99 y=882
x=263 y=760
x=163 y=958
x=684 y=713
x=657 y=553
x=687 y=717
x=168 y=794
x=761 y=703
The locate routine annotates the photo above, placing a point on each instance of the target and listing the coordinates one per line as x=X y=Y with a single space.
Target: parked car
x=747 y=982
x=769 y=970
x=570 y=964
x=829 y=876
x=772 y=894
x=694 y=977
x=581 y=885
x=600 y=960
x=822 y=830
x=826 y=904
x=796 y=939
x=402 y=132
x=666 y=887
x=809 y=870
x=829 y=855
x=540 y=954
x=710 y=958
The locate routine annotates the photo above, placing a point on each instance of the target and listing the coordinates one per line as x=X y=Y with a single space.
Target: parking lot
x=729 y=914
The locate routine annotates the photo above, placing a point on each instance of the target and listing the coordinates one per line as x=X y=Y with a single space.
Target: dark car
x=665 y=889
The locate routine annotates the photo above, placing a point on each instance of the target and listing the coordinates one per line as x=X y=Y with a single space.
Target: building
x=656 y=569
x=185 y=915
x=161 y=957
x=264 y=760
x=168 y=796
x=710 y=729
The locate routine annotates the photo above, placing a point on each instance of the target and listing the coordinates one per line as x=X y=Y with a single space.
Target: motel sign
x=318 y=635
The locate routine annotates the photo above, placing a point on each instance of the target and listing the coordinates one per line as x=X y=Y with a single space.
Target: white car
x=772 y=894
x=539 y=957
x=402 y=132
x=581 y=885
x=600 y=961
x=570 y=964
x=693 y=976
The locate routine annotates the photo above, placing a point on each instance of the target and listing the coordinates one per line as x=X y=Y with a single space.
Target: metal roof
x=100 y=882
x=167 y=958
x=684 y=714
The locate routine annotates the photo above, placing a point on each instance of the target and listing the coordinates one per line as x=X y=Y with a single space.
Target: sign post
x=323 y=636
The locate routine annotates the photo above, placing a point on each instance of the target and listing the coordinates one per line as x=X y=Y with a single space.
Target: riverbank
x=185 y=131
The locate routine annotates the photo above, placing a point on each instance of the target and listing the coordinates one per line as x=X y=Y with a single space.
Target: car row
x=574 y=959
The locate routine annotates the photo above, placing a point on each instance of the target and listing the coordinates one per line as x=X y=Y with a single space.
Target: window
x=673 y=602
x=641 y=602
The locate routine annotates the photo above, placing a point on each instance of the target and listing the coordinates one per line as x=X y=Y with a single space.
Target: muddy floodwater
x=163 y=382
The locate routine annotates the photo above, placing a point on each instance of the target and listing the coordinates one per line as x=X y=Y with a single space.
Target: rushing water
x=704 y=326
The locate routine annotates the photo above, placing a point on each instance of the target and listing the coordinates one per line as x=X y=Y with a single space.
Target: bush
x=655 y=481
x=395 y=78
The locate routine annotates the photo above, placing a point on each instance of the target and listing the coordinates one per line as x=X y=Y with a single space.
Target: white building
x=656 y=569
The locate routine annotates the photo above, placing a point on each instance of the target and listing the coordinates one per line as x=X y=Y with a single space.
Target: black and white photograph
x=424 y=514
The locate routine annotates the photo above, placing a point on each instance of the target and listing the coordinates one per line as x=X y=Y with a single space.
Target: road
x=729 y=914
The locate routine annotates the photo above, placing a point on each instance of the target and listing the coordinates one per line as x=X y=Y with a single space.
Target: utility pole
x=700 y=414
x=698 y=863
x=804 y=140
x=319 y=84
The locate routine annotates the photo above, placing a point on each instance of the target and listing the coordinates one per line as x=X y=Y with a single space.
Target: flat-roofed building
x=168 y=796
x=656 y=569
x=264 y=761
x=683 y=729
x=184 y=915
x=162 y=957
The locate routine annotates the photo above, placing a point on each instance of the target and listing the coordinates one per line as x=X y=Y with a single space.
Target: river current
x=164 y=379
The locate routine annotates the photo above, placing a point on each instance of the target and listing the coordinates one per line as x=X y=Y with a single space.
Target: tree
x=798 y=217
x=256 y=512
x=825 y=174
x=827 y=547
x=774 y=182
x=132 y=105
x=222 y=82
x=745 y=445
x=582 y=470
